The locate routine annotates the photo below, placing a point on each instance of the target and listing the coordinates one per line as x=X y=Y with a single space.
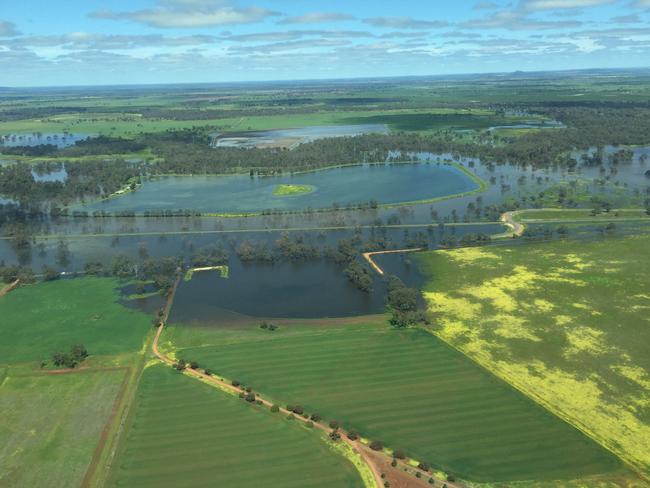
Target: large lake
x=385 y=183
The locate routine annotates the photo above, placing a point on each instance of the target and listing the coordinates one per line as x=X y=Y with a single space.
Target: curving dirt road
x=377 y=461
x=228 y=387
x=516 y=228
x=9 y=287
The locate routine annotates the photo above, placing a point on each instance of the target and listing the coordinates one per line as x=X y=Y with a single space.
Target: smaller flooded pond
x=315 y=289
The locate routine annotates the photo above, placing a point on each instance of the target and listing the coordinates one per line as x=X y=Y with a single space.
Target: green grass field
x=566 y=322
x=51 y=424
x=407 y=388
x=130 y=124
x=188 y=434
x=39 y=320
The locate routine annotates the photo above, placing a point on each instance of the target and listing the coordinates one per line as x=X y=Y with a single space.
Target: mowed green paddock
x=39 y=320
x=188 y=434
x=50 y=425
x=408 y=389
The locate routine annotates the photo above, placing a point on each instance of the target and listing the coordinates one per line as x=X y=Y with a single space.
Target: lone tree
x=376 y=445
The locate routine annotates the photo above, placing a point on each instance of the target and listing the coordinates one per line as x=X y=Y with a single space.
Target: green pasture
x=131 y=124
x=188 y=434
x=565 y=321
x=39 y=320
x=51 y=424
x=407 y=388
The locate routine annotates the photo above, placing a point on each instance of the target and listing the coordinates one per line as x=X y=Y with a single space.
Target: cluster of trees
x=405 y=304
x=359 y=275
x=77 y=354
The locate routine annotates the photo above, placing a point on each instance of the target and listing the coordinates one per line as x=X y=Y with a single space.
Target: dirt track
x=9 y=287
x=368 y=257
x=227 y=386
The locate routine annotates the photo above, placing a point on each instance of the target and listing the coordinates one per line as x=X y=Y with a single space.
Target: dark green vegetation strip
x=408 y=389
x=188 y=434
x=39 y=320
x=51 y=424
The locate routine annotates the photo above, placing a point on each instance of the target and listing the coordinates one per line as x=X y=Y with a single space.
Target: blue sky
x=69 y=42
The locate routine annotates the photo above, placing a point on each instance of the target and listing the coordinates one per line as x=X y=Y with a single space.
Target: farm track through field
x=367 y=457
x=10 y=287
x=222 y=385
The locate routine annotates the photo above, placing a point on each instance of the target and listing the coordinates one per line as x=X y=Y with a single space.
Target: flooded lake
x=384 y=183
x=292 y=137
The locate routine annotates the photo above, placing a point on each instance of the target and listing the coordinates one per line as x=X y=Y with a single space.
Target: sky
x=97 y=42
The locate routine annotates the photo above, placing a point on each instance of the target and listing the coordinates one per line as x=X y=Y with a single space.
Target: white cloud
x=190 y=13
x=404 y=23
x=517 y=20
x=535 y=5
x=316 y=18
x=8 y=29
x=485 y=6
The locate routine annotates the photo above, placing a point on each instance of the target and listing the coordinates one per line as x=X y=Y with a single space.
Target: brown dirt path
x=368 y=257
x=516 y=228
x=228 y=387
x=9 y=287
x=378 y=462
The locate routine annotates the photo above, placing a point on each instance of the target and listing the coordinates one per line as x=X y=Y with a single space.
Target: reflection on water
x=59 y=140
x=291 y=137
x=56 y=175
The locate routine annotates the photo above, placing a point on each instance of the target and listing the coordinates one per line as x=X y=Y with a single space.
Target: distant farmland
x=187 y=434
x=408 y=389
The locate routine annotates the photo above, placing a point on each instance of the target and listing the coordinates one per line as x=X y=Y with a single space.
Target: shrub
x=248 y=389
x=376 y=445
x=180 y=365
x=207 y=372
x=298 y=410
x=235 y=383
x=418 y=475
x=315 y=417
x=424 y=466
x=393 y=463
x=275 y=409
x=352 y=435
x=194 y=365
x=451 y=478
x=334 y=435
x=399 y=454
x=334 y=424
x=432 y=481
x=250 y=397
